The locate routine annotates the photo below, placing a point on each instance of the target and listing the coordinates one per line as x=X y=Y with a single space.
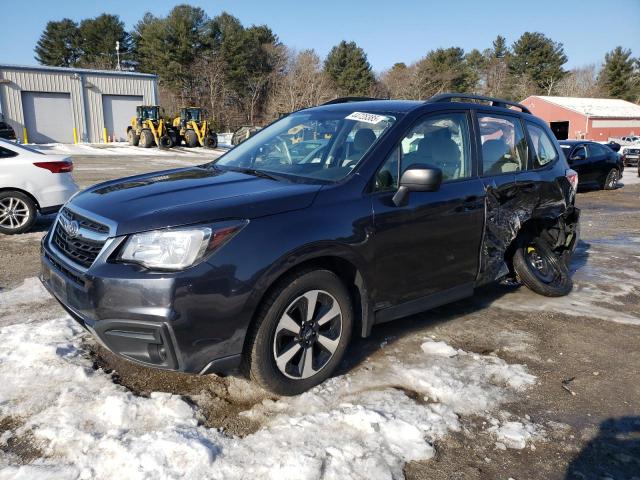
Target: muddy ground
x=584 y=349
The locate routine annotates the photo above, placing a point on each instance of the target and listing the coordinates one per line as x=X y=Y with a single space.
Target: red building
x=586 y=118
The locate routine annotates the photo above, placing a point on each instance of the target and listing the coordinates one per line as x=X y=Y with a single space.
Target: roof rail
x=348 y=100
x=495 y=102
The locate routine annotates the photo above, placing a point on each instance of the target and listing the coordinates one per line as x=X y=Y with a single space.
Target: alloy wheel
x=307 y=334
x=14 y=213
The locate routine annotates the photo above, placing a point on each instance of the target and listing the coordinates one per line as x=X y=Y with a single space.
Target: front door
x=431 y=244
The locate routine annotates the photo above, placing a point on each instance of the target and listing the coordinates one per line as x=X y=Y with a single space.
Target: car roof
x=406 y=106
x=573 y=142
x=396 y=106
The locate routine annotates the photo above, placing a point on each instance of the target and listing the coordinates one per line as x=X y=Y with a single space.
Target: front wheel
x=611 y=180
x=541 y=270
x=301 y=333
x=133 y=138
x=18 y=212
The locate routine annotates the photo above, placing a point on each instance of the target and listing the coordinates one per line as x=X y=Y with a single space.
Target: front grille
x=80 y=250
x=86 y=245
x=633 y=151
x=84 y=222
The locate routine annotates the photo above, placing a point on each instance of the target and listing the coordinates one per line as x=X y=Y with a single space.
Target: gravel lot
x=582 y=349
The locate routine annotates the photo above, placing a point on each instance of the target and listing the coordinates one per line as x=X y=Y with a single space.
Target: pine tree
x=348 y=67
x=169 y=46
x=616 y=78
x=444 y=70
x=500 y=49
x=97 y=40
x=538 y=60
x=58 y=44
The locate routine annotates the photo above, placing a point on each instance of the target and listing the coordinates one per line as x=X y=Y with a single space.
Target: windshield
x=322 y=145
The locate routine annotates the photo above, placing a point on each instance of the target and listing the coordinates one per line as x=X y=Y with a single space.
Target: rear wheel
x=301 y=333
x=611 y=180
x=18 y=212
x=133 y=138
x=146 y=139
x=190 y=139
x=166 y=141
x=541 y=270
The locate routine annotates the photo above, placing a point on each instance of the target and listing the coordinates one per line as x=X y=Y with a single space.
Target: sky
x=388 y=31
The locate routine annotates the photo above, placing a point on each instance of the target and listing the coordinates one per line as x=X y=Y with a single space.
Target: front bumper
x=631 y=160
x=187 y=321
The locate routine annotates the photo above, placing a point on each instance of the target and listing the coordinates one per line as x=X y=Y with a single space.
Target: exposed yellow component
x=25 y=137
x=104 y=135
x=75 y=135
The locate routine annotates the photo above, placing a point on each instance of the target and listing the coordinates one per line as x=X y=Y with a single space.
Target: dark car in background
x=6 y=131
x=272 y=256
x=597 y=165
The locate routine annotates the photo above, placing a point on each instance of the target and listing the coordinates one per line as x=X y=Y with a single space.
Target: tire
x=176 y=141
x=134 y=139
x=611 y=180
x=211 y=141
x=166 y=141
x=273 y=336
x=190 y=139
x=541 y=270
x=146 y=139
x=18 y=212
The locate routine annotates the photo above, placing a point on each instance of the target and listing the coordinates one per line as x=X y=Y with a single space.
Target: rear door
x=432 y=243
x=503 y=146
x=598 y=161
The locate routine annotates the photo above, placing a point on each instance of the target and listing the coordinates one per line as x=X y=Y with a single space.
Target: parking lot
x=507 y=384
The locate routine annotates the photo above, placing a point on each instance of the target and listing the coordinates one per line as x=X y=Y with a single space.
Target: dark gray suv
x=271 y=257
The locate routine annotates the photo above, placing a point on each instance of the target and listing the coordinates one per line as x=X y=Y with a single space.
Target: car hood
x=187 y=196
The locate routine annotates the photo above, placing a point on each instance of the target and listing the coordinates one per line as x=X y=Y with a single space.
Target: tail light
x=572 y=176
x=64 y=166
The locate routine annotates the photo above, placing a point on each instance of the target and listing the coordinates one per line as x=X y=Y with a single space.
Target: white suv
x=31 y=182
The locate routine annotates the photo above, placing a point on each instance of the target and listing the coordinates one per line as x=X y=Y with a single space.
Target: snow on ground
x=122 y=148
x=24 y=303
x=365 y=424
x=598 y=289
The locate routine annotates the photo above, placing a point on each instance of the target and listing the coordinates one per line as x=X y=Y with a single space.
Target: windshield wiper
x=253 y=171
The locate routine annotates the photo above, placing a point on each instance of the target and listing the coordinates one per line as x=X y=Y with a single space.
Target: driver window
x=580 y=153
x=440 y=140
x=504 y=148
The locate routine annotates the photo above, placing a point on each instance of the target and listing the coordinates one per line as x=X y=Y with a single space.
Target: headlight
x=177 y=248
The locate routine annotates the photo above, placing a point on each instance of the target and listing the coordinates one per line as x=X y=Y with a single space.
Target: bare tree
x=579 y=82
x=299 y=84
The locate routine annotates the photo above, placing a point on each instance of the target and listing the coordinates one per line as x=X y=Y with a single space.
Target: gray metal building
x=54 y=104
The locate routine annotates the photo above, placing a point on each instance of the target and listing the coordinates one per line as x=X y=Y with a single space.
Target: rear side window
x=6 y=153
x=544 y=152
x=504 y=147
x=596 y=150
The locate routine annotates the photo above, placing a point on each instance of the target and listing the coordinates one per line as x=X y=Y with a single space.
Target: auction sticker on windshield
x=366 y=117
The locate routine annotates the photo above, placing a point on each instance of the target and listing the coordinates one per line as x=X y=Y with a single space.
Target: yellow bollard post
x=75 y=135
x=104 y=135
x=25 y=137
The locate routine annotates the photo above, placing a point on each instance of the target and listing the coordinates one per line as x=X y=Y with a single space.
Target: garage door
x=47 y=117
x=118 y=110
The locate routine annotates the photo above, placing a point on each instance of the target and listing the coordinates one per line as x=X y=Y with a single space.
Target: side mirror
x=417 y=178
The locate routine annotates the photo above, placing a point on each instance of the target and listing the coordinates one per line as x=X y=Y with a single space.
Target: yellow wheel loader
x=194 y=129
x=149 y=128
